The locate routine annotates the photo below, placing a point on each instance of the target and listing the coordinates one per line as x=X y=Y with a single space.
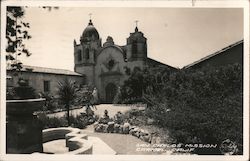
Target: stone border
x=125 y=128
x=76 y=141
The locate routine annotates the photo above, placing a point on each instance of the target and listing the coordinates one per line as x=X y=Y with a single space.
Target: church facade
x=104 y=66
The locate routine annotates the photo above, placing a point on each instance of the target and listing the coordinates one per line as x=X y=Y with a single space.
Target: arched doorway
x=111 y=90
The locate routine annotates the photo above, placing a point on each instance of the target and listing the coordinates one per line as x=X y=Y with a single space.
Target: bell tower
x=136 y=45
x=86 y=51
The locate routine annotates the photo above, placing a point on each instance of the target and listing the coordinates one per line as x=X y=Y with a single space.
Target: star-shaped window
x=111 y=63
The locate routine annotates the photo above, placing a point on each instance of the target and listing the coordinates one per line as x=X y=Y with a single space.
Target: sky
x=175 y=36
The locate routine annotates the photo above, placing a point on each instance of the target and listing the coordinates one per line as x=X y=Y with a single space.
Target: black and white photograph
x=88 y=79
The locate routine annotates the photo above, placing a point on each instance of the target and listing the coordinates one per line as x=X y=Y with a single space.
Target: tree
x=67 y=92
x=131 y=90
x=141 y=83
x=16 y=34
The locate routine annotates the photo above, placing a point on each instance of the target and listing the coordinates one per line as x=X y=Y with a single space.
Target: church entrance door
x=111 y=90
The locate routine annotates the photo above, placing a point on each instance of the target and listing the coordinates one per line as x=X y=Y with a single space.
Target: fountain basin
x=24 y=107
x=75 y=141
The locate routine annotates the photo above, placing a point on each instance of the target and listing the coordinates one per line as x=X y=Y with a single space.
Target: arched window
x=87 y=53
x=134 y=48
x=79 y=55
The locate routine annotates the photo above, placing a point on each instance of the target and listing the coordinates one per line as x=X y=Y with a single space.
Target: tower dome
x=90 y=33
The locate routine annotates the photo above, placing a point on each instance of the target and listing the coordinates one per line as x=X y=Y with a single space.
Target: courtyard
x=120 y=143
x=103 y=144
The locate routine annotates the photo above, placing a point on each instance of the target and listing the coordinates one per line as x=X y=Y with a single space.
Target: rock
x=144 y=132
x=111 y=127
x=121 y=129
x=111 y=123
x=141 y=132
x=95 y=125
x=146 y=138
x=99 y=128
x=155 y=140
x=104 y=119
x=116 y=128
x=150 y=121
x=125 y=129
x=127 y=125
x=119 y=118
x=91 y=121
x=132 y=127
x=158 y=140
x=138 y=132
x=131 y=131
x=105 y=128
x=134 y=132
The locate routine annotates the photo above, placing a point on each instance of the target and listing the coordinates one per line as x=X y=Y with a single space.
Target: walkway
x=112 y=109
x=121 y=143
x=59 y=147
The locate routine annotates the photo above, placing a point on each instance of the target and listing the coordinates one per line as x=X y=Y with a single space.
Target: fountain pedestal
x=24 y=131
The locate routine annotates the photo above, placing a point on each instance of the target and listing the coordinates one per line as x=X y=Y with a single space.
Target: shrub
x=22 y=91
x=205 y=104
x=196 y=106
x=79 y=121
x=135 y=117
x=54 y=122
x=51 y=103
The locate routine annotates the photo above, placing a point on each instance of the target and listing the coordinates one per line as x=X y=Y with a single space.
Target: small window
x=46 y=86
x=27 y=82
x=134 y=48
x=87 y=53
x=10 y=81
x=79 y=54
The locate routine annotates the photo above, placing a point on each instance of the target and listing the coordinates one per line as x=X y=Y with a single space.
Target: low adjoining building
x=229 y=55
x=43 y=80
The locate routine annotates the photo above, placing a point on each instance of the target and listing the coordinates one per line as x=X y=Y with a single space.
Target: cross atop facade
x=136 y=23
x=90 y=14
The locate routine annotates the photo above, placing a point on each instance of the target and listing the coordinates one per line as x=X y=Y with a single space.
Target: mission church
x=104 y=66
x=98 y=65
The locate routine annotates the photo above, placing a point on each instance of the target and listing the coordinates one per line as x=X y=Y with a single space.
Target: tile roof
x=35 y=69
x=152 y=62
x=214 y=54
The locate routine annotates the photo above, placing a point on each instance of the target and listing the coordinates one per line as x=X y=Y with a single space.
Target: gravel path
x=112 y=109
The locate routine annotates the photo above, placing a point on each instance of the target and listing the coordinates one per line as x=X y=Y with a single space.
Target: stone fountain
x=24 y=131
